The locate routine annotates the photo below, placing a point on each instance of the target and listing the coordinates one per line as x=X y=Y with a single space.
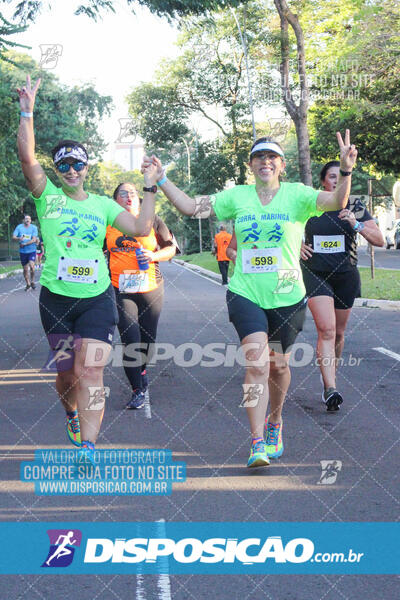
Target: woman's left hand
x=148 y=255
x=347 y=215
x=348 y=152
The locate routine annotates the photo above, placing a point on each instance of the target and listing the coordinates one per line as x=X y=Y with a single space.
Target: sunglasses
x=126 y=194
x=265 y=155
x=64 y=167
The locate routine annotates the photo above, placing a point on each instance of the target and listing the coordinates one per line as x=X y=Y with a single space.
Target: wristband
x=358 y=226
x=345 y=173
x=162 y=181
x=25 y=114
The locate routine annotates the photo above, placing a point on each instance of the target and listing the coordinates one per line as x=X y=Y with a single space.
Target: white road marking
x=147 y=406
x=11 y=291
x=163 y=581
x=388 y=353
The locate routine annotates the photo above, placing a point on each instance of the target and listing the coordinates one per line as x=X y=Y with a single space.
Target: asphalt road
x=384 y=259
x=195 y=412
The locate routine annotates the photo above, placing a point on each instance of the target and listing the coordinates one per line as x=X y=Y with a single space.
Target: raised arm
x=337 y=200
x=34 y=175
x=200 y=206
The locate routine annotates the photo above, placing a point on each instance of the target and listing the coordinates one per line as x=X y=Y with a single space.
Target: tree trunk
x=298 y=113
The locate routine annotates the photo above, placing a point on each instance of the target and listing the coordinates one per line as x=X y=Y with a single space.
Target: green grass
x=9 y=269
x=205 y=260
x=385 y=285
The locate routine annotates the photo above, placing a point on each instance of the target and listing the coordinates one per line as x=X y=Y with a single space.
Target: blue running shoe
x=273 y=439
x=86 y=454
x=258 y=455
x=137 y=400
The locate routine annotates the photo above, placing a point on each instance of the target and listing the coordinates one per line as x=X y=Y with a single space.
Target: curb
x=10 y=273
x=359 y=302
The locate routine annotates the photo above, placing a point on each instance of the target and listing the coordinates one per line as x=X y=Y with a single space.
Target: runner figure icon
x=63 y=348
x=62 y=549
x=254 y=233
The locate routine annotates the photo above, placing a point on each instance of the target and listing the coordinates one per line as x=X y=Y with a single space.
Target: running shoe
x=74 y=430
x=258 y=455
x=145 y=381
x=137 y=400
x=86 y=454
x=33 y=286
x=332 y=399
x=273 y=439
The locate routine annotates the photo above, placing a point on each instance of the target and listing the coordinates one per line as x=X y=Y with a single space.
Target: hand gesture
x=306 y=251
x=152 y=170
x=347 y=215
x=348 y=152
x=27 y=95
x=148 y=255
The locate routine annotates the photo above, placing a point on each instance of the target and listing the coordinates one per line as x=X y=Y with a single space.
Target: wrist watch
x=358 y=226
x=152 y=189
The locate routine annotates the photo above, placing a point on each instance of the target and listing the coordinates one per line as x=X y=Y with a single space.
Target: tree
x=6 y=30
x=297 y=112
x=27 y=10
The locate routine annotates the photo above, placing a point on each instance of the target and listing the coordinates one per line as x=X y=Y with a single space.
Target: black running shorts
x=343 y=287
x=280 y=324
x=94 y=318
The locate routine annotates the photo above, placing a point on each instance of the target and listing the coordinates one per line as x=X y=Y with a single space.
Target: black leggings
x=138 y=320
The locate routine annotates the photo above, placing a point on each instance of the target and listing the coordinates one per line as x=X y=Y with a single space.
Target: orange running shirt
x=222 y=240
x=123 y=257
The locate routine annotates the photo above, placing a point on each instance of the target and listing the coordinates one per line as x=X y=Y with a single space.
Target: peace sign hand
x=27 y=95
x=348 y=152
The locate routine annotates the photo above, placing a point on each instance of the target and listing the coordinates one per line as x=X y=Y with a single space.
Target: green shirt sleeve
x=223 y=205
x=308 y=202
x=111 y=209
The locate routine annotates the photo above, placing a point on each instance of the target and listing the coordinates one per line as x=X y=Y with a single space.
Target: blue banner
x=200 y=548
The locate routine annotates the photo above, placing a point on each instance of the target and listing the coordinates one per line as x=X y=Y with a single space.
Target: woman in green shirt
x=77 y=303
x=265 y=296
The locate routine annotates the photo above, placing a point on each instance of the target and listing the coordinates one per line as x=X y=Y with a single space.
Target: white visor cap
x=265 y=146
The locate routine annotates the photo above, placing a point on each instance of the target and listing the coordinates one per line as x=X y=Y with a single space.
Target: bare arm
x=231 y=250
x=199 y=206
x=141 y=225
x=371 y=231
x=34 y=175
x=338 y=199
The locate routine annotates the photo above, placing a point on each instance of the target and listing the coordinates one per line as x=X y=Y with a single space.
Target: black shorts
x=94 y=318
x=280 y=324
x=343 y=287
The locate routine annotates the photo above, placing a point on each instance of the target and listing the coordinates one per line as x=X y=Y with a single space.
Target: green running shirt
x=73 y=233
x=267 y=270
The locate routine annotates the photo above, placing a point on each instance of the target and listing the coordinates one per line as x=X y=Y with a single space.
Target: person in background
x=331 y=277
x=26 y=234
x=139 y=287
x=221 y=242
x=39 y=252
